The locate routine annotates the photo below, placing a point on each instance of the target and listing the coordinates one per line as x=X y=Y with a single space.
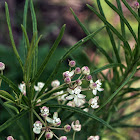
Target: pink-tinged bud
x=44 y=111
x=2 y=66
x=67 y=80
x=88 y=77
x=78 y=82
x=63 y=138
x=65 y=74
x=136 y=5
x=93 y=85
x=67 y=128
x=85 y=70
x=71 y=103
x=72 y=63
x=49 y=135
x=55 y=83
x=10 y=138
x=77 y=70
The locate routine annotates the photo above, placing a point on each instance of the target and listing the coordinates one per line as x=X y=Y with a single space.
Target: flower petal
x=94 y=91
x=69 y=97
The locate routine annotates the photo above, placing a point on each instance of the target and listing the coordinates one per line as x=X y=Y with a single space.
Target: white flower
x=68 y=73
x=55 y=121
x=96 y=86
x=75 y=94
x=61 y=97
x=93 y=102
x=22 y=88
x=71 y=103
x=76 y=126
x=2 y=66
x=93 y=138
x=55 y=83
x=44 y=111
x=37 y=127
x=39 y=86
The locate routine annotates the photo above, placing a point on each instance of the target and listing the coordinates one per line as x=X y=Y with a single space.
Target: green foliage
x=116 y=87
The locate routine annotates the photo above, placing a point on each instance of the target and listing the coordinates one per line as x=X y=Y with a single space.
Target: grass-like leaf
x=122 y=23
x=52 y=50
x=11 y=107
x=34 y=22
x=6 y=95
x=74 y=47
x=123 y=19
x=113 y=29
x=92 y=39
x=12 y=120
x=81 y=112
x=107 y=67
x=131 y=10
x=117 y=91
x=11 y=36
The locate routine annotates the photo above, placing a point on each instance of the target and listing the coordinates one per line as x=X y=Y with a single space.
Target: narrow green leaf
x=122 y=23
x=112 y=40
x=79 y=111
x=55 y=71
x=52 y=50
x=34 y=22
x=131 y=10
x=124 y=125
x=112 y=28
x=7 y=95
x=11 y=84
x=24 y=25
x=92 y=39
x=12 y=120
x=26 y=37
x=107 y=67
x=117 y=91
x=11 y=107
x=11 y=36
x=123 y=19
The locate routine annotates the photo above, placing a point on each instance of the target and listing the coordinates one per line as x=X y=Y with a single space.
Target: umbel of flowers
x=75 y=89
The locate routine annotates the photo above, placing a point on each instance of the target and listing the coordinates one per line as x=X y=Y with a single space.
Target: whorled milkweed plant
x=82 y=100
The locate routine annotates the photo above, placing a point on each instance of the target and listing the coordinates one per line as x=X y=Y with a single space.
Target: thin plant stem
x=31 y=123
x=41 y=135
x=74 y=135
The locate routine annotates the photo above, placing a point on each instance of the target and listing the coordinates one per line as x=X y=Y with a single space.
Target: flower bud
x=85 y=70
x=67 y=80
x=136 y=5
x=63 y=138
x=2 y=66
x=88 y=77
x=72 y=63
x=67 y=128
x=77 y=70
x=49 y=135
x=78 y=82
x=44 y=111
x=55 y=83
x=10 y=138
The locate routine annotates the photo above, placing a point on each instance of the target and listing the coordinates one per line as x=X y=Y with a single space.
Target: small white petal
x=70 y=91
x=49 y=120
x=81 y=96
x=94 y=91
x=69 y=97
x=55 y=115
x=36 y=130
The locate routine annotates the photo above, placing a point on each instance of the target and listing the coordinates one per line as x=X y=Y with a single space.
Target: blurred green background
x=51 y=15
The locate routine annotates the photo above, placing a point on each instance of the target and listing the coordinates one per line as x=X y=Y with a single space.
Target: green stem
x=41 y=135
x=74 y=135
x=31 y=123
x=0 y=78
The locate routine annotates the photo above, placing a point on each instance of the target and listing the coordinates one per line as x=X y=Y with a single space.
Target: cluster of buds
x=136 y=5
x=49 y=124
x=74 y=79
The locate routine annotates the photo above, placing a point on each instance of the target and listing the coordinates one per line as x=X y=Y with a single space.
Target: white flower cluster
x=50 y=123
x=75 y=86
